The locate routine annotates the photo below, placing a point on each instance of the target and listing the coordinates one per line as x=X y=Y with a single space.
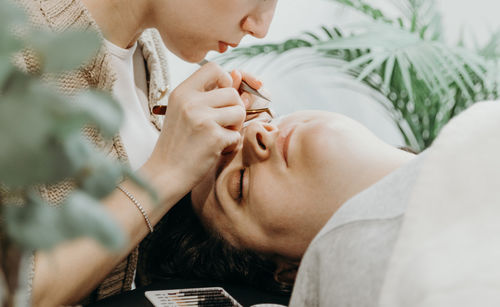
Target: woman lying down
x=313 y=188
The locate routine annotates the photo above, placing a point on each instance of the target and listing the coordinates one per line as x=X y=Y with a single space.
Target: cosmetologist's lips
x=223 y=46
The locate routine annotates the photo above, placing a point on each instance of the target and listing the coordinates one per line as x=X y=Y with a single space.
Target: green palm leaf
x=403 y=58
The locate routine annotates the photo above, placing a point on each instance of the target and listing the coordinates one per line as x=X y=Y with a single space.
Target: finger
x=209 y=77
x=264 y=117
x=237 y=78
x=251 y=80
x=222 y=97
x=253 y=101
x=251 y=116
x=248 y=100
x=231 y=140
x=231 y=117
x=257 y=102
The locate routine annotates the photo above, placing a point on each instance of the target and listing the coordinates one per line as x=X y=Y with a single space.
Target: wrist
x=167 y=184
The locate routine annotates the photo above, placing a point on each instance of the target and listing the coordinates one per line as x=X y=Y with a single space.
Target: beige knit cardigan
x=60 y=15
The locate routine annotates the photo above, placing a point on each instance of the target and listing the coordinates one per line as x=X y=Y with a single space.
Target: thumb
x=211 y=76
x=237 y=78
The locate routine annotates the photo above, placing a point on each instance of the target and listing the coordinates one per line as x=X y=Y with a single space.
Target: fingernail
x=246 y=100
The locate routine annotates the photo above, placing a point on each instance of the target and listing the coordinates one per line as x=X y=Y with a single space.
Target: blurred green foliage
x=41 y=139
x=421 y=80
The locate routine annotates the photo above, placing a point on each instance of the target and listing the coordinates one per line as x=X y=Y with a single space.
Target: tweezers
x=244 y=87
x=162 y=110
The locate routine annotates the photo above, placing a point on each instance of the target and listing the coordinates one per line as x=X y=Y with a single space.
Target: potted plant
x=41 y=143
x=421 y=80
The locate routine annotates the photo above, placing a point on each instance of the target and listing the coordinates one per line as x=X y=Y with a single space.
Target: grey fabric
x=448 y=250
x=345 y=264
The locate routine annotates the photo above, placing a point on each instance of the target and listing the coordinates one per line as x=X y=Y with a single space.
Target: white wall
x=305 y=89
x=478 y=18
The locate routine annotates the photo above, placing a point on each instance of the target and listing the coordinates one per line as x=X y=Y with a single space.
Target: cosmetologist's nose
x=257 y=142
x=257 y=25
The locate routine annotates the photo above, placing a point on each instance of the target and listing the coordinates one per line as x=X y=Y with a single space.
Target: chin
x=192 y=57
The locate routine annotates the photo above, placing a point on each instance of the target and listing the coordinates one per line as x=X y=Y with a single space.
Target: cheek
x=201 y=191
x=278 y=205
x=177 y=24
x=319 y=150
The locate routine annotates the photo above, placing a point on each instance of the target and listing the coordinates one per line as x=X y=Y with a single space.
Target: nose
x=257 y=142
x=257 y=24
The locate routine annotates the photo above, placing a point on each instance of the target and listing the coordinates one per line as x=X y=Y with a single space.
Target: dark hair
x=180 y=247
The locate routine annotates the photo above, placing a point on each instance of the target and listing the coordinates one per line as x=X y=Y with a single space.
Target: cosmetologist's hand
x=205 y=114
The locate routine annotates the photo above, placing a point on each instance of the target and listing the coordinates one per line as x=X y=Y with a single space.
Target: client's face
x=276 y=192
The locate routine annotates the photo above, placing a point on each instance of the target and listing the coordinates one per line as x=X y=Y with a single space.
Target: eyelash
x=240 y=192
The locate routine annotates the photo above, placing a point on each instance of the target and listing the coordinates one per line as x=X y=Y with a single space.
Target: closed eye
x=240 y=191
x=236 y=183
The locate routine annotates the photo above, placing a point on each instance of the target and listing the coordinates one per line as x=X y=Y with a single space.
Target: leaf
x=50 y=147
x=33 y=226
x=429 y=70
x=439 y=80
x=478 y=65
x=33 y=155
x=328 y=32
x=375 y=64
x=9 y=44
x=453 y=72
x=357 y=63
x=64 y=51
x=6 y=69
x=389 y=70
x=19 y=160
x=363 y=7
x=85 y=216
x=375 y=37
x=102 y=110
x=404 y=69
x=418 y=16
x=42 y=142
x=101 y=175
x=78 y=150
x=37 y=225
x=492 y=49
x=10 y=16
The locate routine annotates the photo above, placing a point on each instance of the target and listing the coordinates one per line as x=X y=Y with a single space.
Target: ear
x=286 y=271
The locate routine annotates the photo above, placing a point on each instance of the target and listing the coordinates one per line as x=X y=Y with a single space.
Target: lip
x=223 y=46
x=283 y=141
